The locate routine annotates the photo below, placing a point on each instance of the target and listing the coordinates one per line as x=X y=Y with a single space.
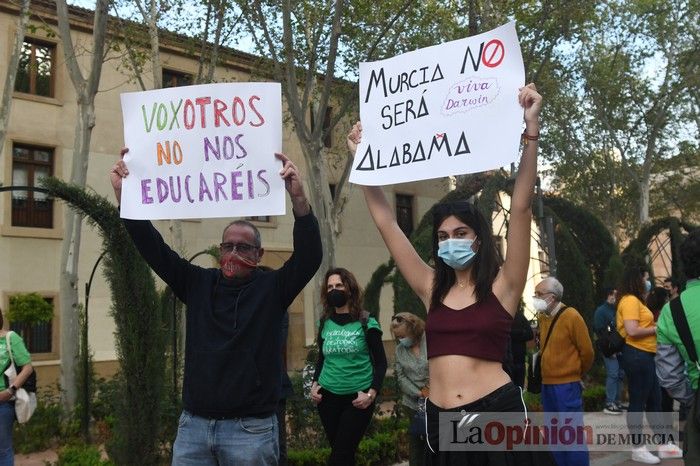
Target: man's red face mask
x=239 y=252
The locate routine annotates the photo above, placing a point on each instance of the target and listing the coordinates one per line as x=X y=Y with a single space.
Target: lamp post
x=86 y=359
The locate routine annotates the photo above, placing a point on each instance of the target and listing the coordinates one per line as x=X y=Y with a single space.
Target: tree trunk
x=86 y=89
x=322 y=204
x=70 y=257
x=155 y=45
x=644 y=200
x=6 y=104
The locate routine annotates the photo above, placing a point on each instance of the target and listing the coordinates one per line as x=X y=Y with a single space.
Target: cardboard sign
x=203 y=151
x=448 y=109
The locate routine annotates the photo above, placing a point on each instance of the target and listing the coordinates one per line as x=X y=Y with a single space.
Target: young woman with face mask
x=470 y=300
x=350 y=368
x=635 y=323
x=411 y=372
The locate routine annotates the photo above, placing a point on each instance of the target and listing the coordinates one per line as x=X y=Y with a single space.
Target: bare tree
x=307 y=45
x=6 y=103
x=86 y=88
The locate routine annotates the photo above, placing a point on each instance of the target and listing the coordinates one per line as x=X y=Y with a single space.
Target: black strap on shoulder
x=364 y=319
x=681 y=323
x=551 y=327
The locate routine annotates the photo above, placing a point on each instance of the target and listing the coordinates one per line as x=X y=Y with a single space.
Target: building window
x=29 y=165
x=327 y=139
x=176 y=79
x=37 y=337
x=36 y=68
x=404 y=213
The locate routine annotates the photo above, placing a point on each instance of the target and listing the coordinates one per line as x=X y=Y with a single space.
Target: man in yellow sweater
x=566 y=357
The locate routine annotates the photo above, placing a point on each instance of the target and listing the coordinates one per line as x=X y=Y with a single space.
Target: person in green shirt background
x=7 y=389
x=676 y=371
x=350 y=368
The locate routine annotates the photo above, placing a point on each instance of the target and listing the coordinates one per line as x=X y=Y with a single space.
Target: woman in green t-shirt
x=7 y=390
x=350 y=368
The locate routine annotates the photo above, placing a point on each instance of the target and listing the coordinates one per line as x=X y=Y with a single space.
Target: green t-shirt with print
x=19 y=354
x=347 y=367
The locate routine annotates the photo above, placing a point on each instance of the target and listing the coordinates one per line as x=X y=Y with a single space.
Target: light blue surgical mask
x=406 y=342
x=456 y=253
x=647 y=285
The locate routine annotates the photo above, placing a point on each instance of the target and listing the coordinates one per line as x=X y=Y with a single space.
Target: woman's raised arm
x=510 y=283
x=417 y=273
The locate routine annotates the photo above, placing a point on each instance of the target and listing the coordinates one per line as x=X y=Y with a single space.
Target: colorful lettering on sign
x=201 y=112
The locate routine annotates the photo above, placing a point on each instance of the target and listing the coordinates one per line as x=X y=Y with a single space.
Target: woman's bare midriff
x=457 y=380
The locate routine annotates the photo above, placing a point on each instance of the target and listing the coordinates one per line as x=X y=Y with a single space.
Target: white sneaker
x=670 y=450
x=642 y=455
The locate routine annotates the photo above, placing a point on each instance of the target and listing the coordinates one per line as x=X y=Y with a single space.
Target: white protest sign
x=443 y=110
x=203 y=151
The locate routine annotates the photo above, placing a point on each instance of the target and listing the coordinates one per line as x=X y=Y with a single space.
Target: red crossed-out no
x=493 y=54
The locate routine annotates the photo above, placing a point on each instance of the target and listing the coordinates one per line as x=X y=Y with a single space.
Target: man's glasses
x=242 y=248
x=398 y=319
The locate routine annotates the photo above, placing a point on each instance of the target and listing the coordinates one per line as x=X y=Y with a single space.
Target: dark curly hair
x=352 y=288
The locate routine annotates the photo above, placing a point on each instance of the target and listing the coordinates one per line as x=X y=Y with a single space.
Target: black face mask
x=337 y=298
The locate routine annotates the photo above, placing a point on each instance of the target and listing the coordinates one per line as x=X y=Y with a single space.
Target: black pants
x=344 y=425
x=504 y=399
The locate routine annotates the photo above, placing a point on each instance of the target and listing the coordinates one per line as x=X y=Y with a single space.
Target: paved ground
x=597 y=459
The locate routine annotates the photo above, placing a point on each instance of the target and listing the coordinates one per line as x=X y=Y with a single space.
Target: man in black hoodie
x=232 y=360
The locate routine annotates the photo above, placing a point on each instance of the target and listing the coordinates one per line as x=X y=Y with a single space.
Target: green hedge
x=381 y=448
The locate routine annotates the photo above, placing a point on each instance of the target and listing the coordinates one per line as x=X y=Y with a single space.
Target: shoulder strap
x=9 y=346
x=681 y=323
x=364 y=320
x=551 y=327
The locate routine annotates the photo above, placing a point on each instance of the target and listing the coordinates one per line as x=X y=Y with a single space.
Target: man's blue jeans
x=244 y=441
x=565 y=401
x=613 y=379
x=7 y=420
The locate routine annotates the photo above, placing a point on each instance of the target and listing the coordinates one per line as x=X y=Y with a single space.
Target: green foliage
x=573 y=272
x=593 y=398
x=140 y=333
x=29 y=308
x=373 y=289
x=592 y=239
x=532 y=401
x=46 y=425
x=308 y=457
x=379 y=447
x=621 y=121
x=81 y=455
x=306 y=431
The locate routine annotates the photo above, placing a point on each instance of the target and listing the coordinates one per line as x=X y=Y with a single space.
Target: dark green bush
x=81 y=455
x=311 y=457
x=43 y=428
x=594 y=398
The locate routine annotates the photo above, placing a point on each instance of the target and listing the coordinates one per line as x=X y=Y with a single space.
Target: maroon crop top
x=480 y=330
